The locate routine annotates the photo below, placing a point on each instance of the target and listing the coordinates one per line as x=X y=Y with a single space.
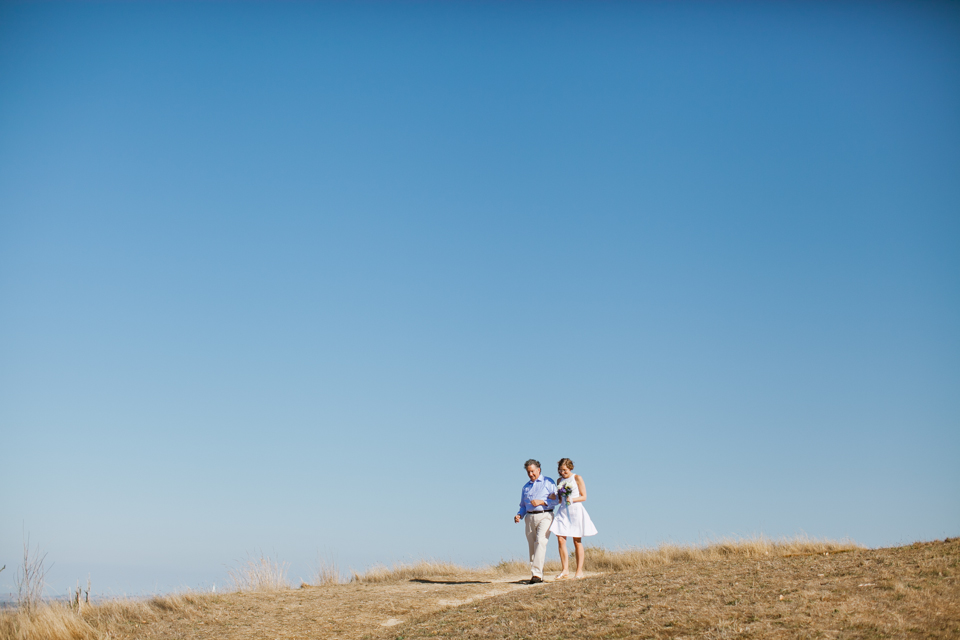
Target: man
x=536 y=509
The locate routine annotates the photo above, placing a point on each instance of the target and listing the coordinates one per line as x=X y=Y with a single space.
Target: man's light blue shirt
x=539 y=489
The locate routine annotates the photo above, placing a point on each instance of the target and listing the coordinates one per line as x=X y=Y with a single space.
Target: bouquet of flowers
x=564 y=491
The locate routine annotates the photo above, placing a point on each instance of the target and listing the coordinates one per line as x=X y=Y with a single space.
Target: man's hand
x=516 y=519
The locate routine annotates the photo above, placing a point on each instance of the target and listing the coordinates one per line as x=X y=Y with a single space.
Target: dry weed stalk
x=31 y=578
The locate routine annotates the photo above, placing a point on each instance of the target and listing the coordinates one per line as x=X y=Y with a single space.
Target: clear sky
x=316 y=279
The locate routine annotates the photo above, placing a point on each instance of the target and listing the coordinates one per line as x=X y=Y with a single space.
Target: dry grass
x=418 y=571
x=599 y=559
x=113 y=618
x=905 y=592
x=260 y=574
x=746 y=589
x=327 y=573
x=49 y=622
x=114 y=615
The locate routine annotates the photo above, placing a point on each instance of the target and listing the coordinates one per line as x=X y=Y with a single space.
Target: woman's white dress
x=571 y=519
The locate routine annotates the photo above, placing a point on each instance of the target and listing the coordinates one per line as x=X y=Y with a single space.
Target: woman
x=571 y=518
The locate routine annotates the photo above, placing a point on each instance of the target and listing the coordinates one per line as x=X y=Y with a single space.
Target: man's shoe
x=536 y=579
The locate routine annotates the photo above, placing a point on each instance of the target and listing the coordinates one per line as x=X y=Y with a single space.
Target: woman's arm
x=583 y=489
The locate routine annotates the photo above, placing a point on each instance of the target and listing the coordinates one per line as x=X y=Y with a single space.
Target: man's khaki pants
x=538 y=534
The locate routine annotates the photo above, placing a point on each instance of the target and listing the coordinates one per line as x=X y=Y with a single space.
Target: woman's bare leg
x=564 y=560
x=578 y=547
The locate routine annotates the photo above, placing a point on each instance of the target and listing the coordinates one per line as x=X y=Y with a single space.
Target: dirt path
x=442 y=598
x=345 y=611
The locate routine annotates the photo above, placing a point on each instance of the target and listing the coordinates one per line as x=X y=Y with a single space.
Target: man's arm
x=523 y=505
x=543 y=486
x=551 y=491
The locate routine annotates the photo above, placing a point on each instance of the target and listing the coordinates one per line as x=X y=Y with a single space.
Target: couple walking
x=545 y=507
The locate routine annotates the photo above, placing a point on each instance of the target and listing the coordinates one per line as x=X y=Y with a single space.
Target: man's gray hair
x=531 y=462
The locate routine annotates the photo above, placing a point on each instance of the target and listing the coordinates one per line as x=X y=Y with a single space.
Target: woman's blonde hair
x=565 y=462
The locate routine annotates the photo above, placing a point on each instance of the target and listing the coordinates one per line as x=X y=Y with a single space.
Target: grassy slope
x=746 y=589
x=904 y=592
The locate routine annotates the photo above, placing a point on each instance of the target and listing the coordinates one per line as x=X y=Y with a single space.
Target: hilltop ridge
x=745 y=589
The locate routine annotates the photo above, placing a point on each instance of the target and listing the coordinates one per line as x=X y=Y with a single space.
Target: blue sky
x=316 y=279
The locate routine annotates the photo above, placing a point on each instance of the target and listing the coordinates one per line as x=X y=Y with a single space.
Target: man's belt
x=544 y=511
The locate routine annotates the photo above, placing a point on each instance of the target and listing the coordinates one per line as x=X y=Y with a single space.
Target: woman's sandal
x=563 y=576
